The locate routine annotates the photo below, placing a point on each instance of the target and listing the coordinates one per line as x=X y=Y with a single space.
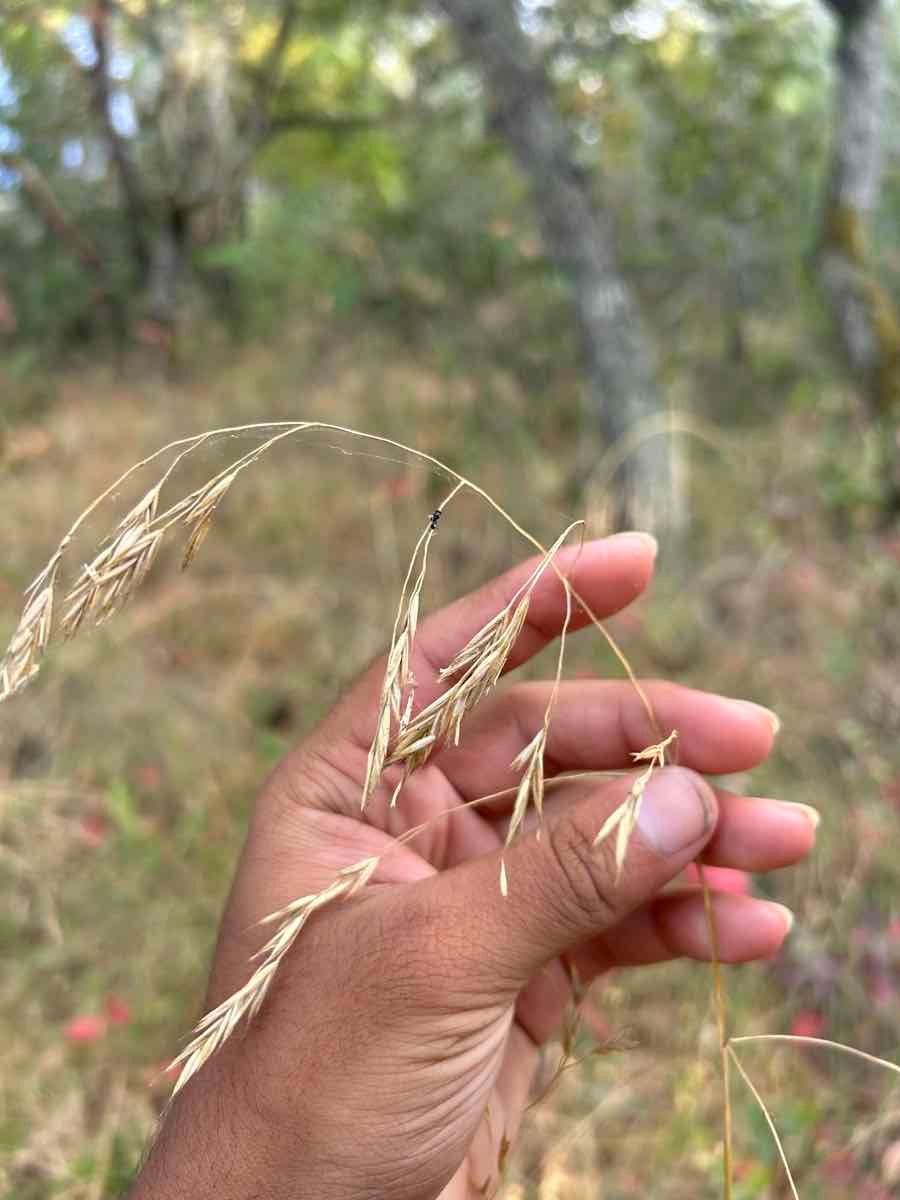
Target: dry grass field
x=128 y=768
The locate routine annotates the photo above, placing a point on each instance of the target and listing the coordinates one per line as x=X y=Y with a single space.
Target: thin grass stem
x=765 y=1112
x=813 y=1041
x=722 y=1023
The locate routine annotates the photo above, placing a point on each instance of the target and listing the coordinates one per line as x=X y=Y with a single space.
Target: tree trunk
x=863 y=310
x=169 y=251
x=625 y=403
x=120 y=154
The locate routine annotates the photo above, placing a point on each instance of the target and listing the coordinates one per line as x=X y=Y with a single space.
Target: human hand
x=398 y=1043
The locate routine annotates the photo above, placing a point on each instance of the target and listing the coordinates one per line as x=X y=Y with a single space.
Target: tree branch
x=129 y=182
x=268 y=77
x=51 y=213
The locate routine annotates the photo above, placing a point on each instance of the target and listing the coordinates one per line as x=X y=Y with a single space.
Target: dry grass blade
x=825 y=1043
x=765 y=1112
x=623 y=820
x=218 y=1025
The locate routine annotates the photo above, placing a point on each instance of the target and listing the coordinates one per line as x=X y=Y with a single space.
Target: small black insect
x=435 y=517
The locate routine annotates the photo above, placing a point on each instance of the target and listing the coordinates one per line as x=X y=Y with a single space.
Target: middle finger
x=597 y=725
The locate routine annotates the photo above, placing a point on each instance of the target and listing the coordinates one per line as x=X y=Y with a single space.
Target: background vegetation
x=531 y=240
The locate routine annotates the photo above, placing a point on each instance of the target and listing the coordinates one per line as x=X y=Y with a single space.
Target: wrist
x=213 y=1145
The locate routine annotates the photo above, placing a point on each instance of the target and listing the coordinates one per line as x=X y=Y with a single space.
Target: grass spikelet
x=623 y=820
x=398 y=678
x=199 y=515
x=218 y=1025
x=530 y=759
x=475 y=670
x=107 y=583
x=441 y=720
x=26 y=648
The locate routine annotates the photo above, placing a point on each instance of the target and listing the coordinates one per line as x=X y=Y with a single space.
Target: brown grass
x=726 y=660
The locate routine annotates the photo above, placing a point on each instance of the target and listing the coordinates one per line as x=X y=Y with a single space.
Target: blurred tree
x=863 y=308
x=255 y=159
x=177 y=96
x=625 y=401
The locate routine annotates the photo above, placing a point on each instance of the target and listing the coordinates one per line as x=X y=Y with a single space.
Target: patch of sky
x=122 y=114
x=76 y=36
x=71 y=154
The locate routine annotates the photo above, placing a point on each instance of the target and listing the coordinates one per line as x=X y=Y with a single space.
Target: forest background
x=637 y=262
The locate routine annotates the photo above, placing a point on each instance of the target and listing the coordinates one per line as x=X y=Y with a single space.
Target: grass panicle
x=530 y=759
x=398 y=677
x=217 y=1026
x=623 y=820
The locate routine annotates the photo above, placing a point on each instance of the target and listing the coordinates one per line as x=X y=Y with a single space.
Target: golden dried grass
x=122 y=562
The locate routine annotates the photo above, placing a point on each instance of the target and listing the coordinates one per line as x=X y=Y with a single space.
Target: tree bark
x=863 y=310
x=624 y=404
x=168 y=260
x=132 y=192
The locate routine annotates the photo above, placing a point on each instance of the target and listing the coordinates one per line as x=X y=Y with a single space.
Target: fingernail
x=812 y=814
x=784 y=912
x=677 y=810
x=646 y=539
x=758 y=708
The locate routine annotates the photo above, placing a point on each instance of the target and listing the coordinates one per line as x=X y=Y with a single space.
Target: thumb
x=562 y=889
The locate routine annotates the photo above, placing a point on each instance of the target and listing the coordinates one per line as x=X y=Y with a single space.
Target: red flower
x=809 y=1022
x=85 y=1029
x=117 y=1012
x=93 y=829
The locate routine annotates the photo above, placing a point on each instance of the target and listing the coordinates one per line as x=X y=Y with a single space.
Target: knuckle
x=586 y=873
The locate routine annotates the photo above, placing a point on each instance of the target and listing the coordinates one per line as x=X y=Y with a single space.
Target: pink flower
x=93 y=830
x=117 y=1012
x=85 y=1029
x=809 y=1022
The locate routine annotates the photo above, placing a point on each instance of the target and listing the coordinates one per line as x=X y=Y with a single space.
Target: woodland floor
x=127 y=770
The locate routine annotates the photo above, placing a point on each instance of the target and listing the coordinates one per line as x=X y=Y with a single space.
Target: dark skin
x=404 y=1016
